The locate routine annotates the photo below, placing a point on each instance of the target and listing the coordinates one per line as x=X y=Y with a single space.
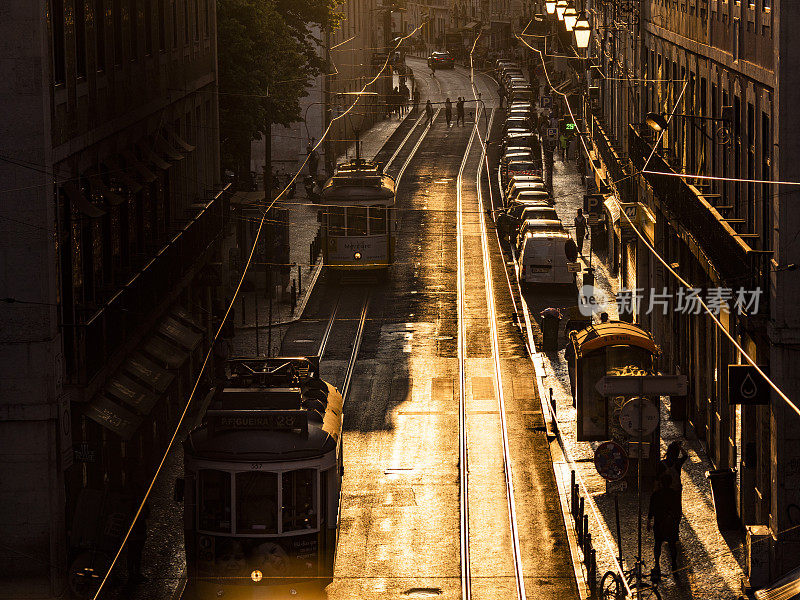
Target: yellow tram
x=359 y=222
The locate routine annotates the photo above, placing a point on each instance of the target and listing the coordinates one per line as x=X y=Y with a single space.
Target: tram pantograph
x=262 y=480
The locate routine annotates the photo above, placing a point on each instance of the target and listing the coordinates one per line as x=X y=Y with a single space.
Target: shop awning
x=148 y=372
x=133 y=394
x=180 y=334
x=169 y=355
x=613 y=208
x=119 y=174
x=137 y=165
x=173 y=137
x=150 y=155
x=113 y=417
x=99 y=189
x=80 y=202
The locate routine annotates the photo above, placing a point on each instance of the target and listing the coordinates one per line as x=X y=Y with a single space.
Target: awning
x=471 y=25
x=120 y=174
x=79 y=201
x=148 y=372
x=176 y=139
x=613 y=209
x=144 y=173
x=113 y=417
x=149 y=154
x=167 y=150
x=169 y=355
x=180 y=334
x=99 y=188
x=135 y=395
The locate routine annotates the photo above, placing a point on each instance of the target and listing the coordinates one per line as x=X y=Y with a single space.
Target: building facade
x=727 y=70
x=111 y=215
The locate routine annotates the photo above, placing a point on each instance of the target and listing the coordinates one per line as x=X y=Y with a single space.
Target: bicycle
x=612 y=588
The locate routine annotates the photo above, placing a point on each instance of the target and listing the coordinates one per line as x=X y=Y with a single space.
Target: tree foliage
x=267 y=57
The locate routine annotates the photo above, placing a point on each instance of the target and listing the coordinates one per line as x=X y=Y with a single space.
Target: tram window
x=215 y=501
x=623 y=356
x=377 y=220
x=299 y=500
x=356 y=221
x=336 y=220
x=256 y=502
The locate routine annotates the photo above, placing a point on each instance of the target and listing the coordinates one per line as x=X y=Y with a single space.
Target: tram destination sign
x=273 y=420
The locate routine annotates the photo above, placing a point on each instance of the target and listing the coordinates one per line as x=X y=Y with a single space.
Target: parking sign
x=545 y=102
x=552 y=132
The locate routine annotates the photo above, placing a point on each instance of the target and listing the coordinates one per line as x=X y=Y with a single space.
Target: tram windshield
x=356 y=220
x=260 y=509
x=377 y=220
x=256 y=502
x=624 y=356
x=215 y=501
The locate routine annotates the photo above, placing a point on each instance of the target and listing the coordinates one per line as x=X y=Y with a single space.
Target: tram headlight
x=256 y=575
x=357 y=255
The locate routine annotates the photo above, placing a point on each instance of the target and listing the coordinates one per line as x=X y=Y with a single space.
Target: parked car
x=442 y=60
x=542 y=259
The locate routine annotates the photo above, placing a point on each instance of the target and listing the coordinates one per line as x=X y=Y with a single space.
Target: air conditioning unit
x=758 y=545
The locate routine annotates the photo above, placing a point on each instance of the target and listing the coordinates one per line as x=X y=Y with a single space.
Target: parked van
x=541 y=258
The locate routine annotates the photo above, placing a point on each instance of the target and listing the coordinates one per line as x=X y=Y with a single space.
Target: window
x=214 y=501
x=148 y=27
x=737 y=27
x=766 y=195
x=257 y=502
x=377 y=220
x=186 y=21
x=117 y=15
x=162 y=27
x=299 y=500
x=80 y=38
x=57 y=23
x=133 y=12
x=206 y=17
x=100 y=33
x=356 y=221
x=196 y=20
x=336 y=220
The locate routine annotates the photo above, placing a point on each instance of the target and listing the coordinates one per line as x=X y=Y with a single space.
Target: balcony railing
x=616 y=165
x=99 y=335
x=731 y=256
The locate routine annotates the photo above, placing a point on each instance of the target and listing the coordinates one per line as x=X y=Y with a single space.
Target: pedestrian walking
x=572 y=147
x=313 y=159
x=663 y=518
x=460 y=111
x=448 y=110
x=416 y=99
x=432 y=65
x=429 y=112
x=563 y=141
x=672 y=464
x=502 y=93
x=581 y=230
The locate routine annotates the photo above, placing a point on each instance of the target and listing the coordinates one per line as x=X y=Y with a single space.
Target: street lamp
x=656 y=122
x=570 y=18
x=550 y=6
x=582 y=32
x=561 y=6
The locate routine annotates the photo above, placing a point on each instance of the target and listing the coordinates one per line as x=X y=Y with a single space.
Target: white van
x=542 y=259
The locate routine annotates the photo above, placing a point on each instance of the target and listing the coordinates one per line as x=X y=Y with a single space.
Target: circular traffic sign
x=639 y=417
x=611 y=461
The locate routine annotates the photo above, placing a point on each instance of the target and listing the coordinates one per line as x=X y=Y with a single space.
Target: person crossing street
x=448 y=111
x=581 y=230
x=460 y=111
x=429 y=112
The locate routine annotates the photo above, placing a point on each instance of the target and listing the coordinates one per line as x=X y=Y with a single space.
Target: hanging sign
x=747 y=386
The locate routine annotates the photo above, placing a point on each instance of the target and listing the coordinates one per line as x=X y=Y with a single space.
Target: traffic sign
x=592 y=219
x=639 y=417
x=747 y=386
x=552 y=132
x=545 y=102
x=593 y=203
x=647 y=385
x=574 y=267
x=611 y=461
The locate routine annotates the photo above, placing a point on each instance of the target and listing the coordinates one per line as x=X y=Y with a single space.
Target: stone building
x=111 y=212
x=728 y=70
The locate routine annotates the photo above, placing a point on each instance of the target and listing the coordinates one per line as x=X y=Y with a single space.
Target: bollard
x=299 y=280
x=587 y=540
x=572 y=490
x=579 y=522
x=294 y=296
x=593 y=573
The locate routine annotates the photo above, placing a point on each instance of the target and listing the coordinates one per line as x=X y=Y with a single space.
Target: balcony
x=616 y=163
x=731 y=257
x=123 y=319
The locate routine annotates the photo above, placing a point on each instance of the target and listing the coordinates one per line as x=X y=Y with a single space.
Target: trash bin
x=550 y=320
x=723 y=493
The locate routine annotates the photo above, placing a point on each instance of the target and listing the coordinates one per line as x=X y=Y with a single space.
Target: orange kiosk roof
x=616 y=333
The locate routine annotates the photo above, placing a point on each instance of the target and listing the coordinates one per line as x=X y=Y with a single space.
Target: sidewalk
x=710 y=563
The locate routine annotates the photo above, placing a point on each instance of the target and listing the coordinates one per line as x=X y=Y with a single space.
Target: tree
x=267 y=57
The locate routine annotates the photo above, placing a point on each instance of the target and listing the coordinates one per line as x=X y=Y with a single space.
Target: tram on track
x=359 y=222
x=261 y=485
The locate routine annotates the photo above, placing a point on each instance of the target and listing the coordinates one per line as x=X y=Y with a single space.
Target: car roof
x=521 y=162
x=544 y=223
x=533 y=207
